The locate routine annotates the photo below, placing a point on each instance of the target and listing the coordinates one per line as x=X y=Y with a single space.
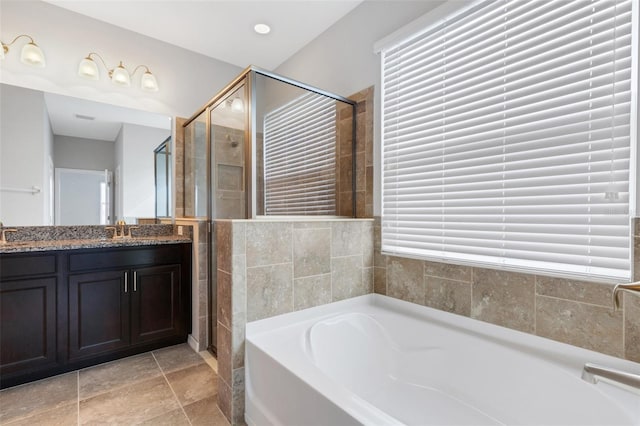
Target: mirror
x=69 y=161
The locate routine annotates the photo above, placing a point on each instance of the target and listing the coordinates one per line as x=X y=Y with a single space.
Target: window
x=506 y=134
x=300 y=157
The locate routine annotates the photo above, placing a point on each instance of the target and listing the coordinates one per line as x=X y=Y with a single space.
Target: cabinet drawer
x=16 y=265
x=124 y=257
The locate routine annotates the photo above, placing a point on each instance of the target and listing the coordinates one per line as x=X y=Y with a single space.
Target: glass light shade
x=32 y=55
x=120 y=76
x=88 y=69
x=148 y=82
x=237 y=105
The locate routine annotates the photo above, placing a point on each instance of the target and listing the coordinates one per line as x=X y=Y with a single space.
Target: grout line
x=535 y=305
x=293 y=273
x=78 y=392
x=331 y=264
x=171 y=388
x=624 y=337
x=575 y=301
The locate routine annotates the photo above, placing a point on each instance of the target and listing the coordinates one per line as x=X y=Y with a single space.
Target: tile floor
x=170 y=386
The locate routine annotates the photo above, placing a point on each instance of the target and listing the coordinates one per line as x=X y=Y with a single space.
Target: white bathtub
x=375 y=360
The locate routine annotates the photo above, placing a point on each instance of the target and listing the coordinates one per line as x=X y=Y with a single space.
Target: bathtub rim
x=568 y=357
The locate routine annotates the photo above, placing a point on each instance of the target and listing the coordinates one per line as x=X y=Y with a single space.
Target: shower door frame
x=247 y=77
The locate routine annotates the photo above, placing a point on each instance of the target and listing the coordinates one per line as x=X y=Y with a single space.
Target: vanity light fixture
x=31 y=54
x=119 y=75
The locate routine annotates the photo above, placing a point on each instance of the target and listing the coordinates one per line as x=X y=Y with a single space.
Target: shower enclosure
x=267 y=145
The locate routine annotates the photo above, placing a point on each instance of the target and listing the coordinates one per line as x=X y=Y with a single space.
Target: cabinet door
x=156 y=303
x=99 y=318
x=27 y=324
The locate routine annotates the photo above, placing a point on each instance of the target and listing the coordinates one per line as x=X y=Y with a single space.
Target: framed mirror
x=70 y=161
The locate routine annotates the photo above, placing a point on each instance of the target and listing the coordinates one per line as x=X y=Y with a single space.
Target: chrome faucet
x=3 y=234
x=619 y=287
x=592 y=373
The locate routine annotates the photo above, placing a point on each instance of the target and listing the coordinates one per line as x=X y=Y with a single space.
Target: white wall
x=186 y=79
x=86 y=154
x=341 y=60
x=25 y=144
x=117 y=175
x=47 y=169
x=137 y=170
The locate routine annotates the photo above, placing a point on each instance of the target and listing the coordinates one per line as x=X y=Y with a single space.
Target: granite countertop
x=51 y=245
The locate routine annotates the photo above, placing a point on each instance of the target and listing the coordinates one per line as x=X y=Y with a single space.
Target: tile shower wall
x=228 y=181
x=199 y=283
x=576 y=312
x=364 y=152
x=267 y=268
x=178 y=166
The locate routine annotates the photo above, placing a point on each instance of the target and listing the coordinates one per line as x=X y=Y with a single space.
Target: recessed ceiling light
x=262 y=28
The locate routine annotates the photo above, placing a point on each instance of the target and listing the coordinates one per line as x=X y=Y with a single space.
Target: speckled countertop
x=50 y=238
x=30 y=246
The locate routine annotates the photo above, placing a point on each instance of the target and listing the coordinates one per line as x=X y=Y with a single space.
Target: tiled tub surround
x=570 y=311
x=270 y=267
x=41 y=238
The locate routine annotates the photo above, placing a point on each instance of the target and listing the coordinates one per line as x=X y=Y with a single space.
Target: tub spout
x=592 y=373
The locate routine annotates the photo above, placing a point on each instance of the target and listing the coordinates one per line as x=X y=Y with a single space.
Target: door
x=27 y=324
x=156 y=303
x=227 y=179
x=99 y=316
x=82 y=197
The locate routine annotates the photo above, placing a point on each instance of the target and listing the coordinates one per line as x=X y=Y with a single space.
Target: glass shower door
x=227 y=135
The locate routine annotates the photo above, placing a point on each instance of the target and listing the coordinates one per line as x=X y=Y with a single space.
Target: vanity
x=68 y=303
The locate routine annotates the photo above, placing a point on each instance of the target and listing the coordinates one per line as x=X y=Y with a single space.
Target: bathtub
x=375 y=360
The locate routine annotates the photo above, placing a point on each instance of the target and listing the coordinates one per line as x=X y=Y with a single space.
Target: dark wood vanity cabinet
x=99 y=313
x=82 y=307
x=29 y=288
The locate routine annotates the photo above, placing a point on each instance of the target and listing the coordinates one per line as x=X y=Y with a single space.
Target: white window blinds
x=506 y=138
x=300 y=157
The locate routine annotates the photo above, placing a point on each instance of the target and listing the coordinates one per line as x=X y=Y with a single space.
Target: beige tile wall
x=364 y=152
x=570 y=311
x=199 y=283
x=267 y=268
x=178 y=165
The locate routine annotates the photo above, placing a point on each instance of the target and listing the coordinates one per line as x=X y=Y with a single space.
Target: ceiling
x=219 y=29
x=97 y=121
x=222 y=29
